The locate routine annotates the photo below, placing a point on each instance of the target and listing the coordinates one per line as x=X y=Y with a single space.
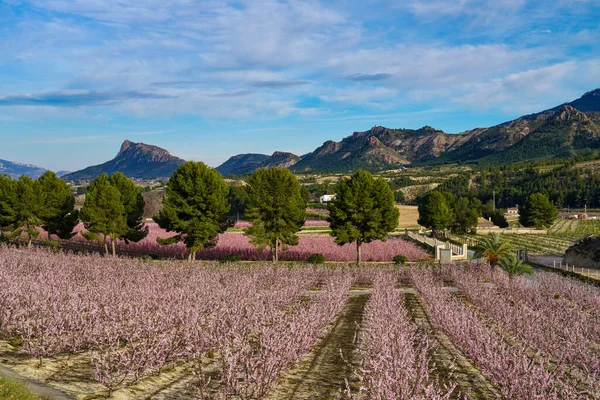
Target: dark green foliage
x=316 y=258
x=537 y=212
x=195 y=206
x=21 y=207
x=231 y=258
x=238 y=199
x=435 y=212
x=466 y=213
x=8 y=198
x=58 y=214
x=133 y=202
x=363 y=211
x=103 y=212
x=399 y=260
x=399 y=197
x=514 y=267
x=276 y=209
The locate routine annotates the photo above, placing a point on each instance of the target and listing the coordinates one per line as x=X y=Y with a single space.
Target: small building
x=511 y=213
x=326 y=198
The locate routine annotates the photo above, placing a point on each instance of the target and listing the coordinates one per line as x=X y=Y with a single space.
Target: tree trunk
x=358 y=243
x=114 y=251
x=276 y=250
x=105 y=246
x=190 y=256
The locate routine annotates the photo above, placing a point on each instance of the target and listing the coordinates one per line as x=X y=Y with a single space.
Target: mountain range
x=135 y=160
x=15 y=170
x=564 y=130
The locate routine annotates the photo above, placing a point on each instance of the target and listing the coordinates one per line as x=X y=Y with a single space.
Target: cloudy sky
x=210 y=79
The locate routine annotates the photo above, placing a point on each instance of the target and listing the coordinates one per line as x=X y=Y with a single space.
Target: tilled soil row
x=323 y=372
x=450 y=363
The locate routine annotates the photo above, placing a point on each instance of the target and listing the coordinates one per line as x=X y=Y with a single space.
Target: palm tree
x=514 y=267
x=493 y=248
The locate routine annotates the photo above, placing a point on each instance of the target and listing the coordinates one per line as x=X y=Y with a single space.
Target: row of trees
x=196 y=207
x=26 y=204
x=113 y=209
x=443 y=210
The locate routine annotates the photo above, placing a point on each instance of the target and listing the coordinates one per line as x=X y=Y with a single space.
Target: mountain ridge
x=135 y=160
x=16 y=169
x=381 y=148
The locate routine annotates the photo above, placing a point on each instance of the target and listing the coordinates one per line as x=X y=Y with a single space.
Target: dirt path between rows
x=471 y=382
x=322 y=373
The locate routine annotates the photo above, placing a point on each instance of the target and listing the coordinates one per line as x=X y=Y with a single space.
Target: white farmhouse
x=326 y=198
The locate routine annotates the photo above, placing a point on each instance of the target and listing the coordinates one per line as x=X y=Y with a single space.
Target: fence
x=444 y=251
x=589 y=272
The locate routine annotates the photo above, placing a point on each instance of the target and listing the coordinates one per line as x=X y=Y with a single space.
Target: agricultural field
x=93 y=327
x=562 y=235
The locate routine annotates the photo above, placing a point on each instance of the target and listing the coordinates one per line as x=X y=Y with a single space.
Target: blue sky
x=210 y=79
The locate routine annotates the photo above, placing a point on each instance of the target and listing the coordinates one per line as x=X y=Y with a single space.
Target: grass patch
x=12 y=389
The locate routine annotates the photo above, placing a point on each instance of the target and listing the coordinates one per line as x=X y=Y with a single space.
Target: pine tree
x=103 y=212
x=27 y=208
x=435 y=212
x=133 y=201
x=8 y=196
x=195 y=206
x=537 y=212
x=362 y=211
x=58 y=214
x=276 y=209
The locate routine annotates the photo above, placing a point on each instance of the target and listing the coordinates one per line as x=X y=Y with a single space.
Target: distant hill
x=15 y=170
x=242 y=164
x=135 y=160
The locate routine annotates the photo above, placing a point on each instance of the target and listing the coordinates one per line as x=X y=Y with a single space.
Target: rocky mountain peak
x=126 y=144
x=568 y=113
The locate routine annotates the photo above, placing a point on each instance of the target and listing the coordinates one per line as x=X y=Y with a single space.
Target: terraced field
x=562 y=235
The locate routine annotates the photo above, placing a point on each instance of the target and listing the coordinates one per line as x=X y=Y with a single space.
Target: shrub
x=54 y=245
x=399 y=260
x=316 y=259
x=231 y=258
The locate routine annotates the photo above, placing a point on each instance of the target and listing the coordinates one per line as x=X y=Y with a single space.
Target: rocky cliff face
x=584 y=254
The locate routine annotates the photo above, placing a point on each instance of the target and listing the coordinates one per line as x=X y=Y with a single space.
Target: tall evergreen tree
x=195 y=206
x=435 y=213
x=8 y=195
x=58 y=214
x=103 y=212
x=133 y=202
x=276 y=209
x=537 y=212
x=27 y=207
x=362 y=211
x=466 y=214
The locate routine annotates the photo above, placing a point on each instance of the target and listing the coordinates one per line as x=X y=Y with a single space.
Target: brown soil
x=450 y=364
x=322 y=373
